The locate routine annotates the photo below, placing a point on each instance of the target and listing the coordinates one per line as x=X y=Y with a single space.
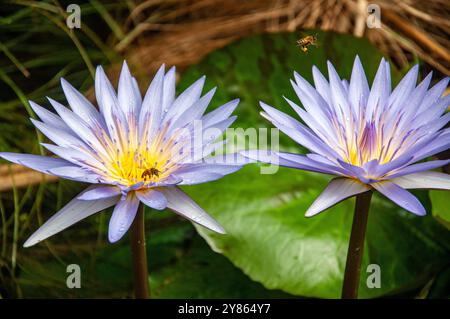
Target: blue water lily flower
x=370 y=138
x=132 y=150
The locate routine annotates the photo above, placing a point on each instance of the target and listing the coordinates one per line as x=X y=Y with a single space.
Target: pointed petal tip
x=29 y=242
x=32 y=240
x=357 y=63
x=212 y=91
x=55 y=104
x=422 y=212
x=162 y=69
x=310 y=213
x=265 y=106
x=34 y=121
x=214 y=226
x=219 y=229
x=293 y=83
x=315 y=69
x=233 y=118
x=401 y=197
x=4 y=155
x=33 y=105
x=12 y=157
x=113 y=239
x=330 y=65
x=416 y=208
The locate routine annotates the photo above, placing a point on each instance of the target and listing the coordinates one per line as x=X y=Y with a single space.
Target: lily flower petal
x=416 y=168
x=400 y=196
x=59 y=136
x=151 y=110
x=49 y=118
x=94 y=192
x=183 y=205
x=358 y=92
x=75 y=173
x=220 y=114
x=39 y=163
x=152 y=198
x=73 y=212
x=430 y=180
x=122 y=217
x=168 y=90
x=185 y=100
x=129 y=100
x=81 y=105
x=336 y=191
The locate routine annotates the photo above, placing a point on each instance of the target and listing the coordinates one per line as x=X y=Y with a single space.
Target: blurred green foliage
x=37 y=49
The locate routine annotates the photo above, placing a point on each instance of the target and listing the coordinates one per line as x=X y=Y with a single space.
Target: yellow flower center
x=130 y=161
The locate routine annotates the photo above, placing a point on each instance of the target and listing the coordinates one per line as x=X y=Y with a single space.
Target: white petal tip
x=30 y=242
x=218 y=229
x=84 y=197
x=113 y=240
x=210 y=223
x=420 y=213
x=311 y=213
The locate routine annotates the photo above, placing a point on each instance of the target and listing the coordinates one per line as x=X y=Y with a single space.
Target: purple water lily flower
x=132 y=150
x=370 y=138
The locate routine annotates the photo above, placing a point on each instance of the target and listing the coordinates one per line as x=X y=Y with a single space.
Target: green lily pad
x=440 y=206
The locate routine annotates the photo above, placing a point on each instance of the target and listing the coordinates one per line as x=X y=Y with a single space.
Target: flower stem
x=356 y=246
x=139 y=255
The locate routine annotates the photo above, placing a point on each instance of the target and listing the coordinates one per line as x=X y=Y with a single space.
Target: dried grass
x=185 y=31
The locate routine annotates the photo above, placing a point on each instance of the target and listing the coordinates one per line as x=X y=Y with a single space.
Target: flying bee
x=304 y=42
x=150 y=172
